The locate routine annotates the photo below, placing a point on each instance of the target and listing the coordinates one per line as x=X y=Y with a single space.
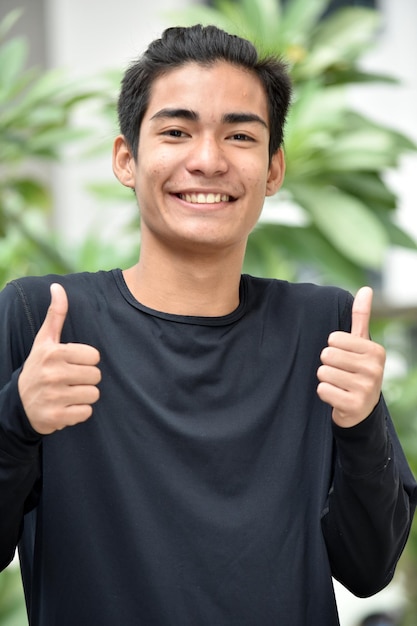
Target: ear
x=276 y=173
x=124 y=166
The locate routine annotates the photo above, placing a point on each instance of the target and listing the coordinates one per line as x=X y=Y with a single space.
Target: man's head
x=206 y=46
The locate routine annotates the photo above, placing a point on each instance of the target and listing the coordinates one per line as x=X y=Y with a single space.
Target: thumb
x=55 y=317
x=361 y=312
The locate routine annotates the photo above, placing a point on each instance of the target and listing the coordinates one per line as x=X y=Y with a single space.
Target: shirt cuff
x=364 y=449
x=17 y=437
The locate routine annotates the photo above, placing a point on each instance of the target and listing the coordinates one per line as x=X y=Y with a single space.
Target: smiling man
x=200 y=174
x=181 y=444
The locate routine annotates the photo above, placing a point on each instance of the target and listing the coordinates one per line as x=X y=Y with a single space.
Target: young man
x=216 y=481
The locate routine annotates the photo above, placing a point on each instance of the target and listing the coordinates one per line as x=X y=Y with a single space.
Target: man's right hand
x=58 y=382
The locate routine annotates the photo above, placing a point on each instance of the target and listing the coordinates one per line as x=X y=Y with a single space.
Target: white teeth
x=205 y=198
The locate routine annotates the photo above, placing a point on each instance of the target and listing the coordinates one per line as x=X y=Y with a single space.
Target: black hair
x=204 y=45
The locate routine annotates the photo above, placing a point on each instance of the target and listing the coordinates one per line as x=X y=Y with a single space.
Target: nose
x=207 y=157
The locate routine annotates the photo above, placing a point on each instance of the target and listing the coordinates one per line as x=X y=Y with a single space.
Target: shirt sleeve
x=370 y=506
x=19 y=444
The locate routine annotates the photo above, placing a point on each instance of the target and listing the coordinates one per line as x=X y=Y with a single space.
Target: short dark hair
x=204 y=45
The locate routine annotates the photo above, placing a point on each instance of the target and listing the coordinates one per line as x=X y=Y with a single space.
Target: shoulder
x=30 y=295
x=37 y=286
x=306 y=301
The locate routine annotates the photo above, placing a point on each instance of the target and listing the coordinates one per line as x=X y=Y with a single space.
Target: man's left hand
x=352 y=367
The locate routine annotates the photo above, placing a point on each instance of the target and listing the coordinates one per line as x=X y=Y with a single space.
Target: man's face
x=202 y=169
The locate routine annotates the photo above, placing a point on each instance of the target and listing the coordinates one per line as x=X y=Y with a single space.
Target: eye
x=241 y=137
x=174 y=132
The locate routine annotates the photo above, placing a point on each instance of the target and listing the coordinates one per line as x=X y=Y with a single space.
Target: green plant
x=36 y=109
x=12 y=608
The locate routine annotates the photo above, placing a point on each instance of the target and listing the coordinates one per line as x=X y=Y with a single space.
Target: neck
x=197 y=285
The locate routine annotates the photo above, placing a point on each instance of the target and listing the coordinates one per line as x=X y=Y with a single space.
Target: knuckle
x=85 y=413
x=97 y=375
x=335 y=337
x=92 y=354
x=95 y=394
x=323 y=373
x=325 y=354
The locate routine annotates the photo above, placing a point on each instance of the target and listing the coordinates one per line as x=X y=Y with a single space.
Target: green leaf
x=317 y=108
x=367 y=186
x=32 y=192
x=256 y=21
x=203 y=15
x=341 y=38
x=397 y=235
x=299 y=18
x=363 y=150
x=268 y=11
x=346 y=223
x=48 y=86
x=12 y=606
x=356 y=121
x=262 y=22
x=265 y=257
x=12 y=59
x=244 y=18
x=305 y=250
x=341 y=75
x=7 y=23
x=49 y=141
x=15 y=90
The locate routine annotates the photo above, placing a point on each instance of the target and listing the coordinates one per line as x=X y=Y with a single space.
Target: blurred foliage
x=37 y=109
x=12 y=608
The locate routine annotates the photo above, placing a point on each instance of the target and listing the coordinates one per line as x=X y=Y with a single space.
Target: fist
x=352 y=367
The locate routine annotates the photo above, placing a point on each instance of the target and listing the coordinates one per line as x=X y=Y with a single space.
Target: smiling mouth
x=205 y=198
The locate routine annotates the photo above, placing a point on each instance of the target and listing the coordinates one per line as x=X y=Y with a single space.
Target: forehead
x=219 y=87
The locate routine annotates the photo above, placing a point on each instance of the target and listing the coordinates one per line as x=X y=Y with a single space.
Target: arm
x=370 y=506
x=45 y=385
x=372 y=500
x=19 y=444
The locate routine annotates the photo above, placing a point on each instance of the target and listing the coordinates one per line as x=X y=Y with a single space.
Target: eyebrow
x=227 y=118
x=186 y=114
x=243 y=118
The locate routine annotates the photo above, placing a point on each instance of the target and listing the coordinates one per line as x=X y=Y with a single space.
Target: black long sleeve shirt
x=210 y=487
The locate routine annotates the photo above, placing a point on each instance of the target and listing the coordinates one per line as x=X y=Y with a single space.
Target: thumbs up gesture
x=352 y=367
x=58 y=382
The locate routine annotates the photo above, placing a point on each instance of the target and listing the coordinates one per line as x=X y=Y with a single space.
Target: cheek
x=255 y=182
x=152 y=175
x=255 y=174
x=155 y=167
x=152 y=160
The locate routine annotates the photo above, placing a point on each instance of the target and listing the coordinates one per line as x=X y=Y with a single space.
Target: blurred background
x=347 y=212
